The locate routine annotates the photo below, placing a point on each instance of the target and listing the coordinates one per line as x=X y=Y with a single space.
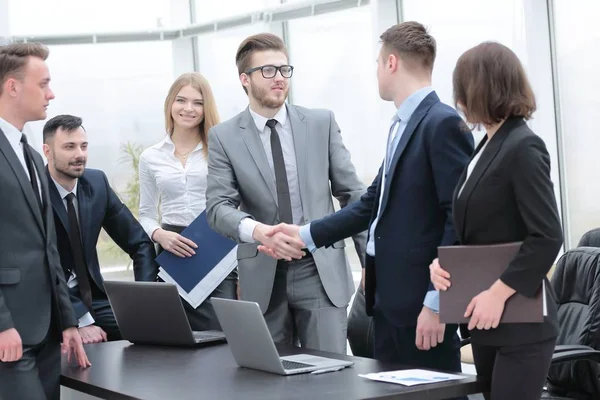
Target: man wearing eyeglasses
x=272 y=163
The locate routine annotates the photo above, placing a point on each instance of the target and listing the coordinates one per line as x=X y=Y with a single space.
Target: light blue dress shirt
x=397 y=126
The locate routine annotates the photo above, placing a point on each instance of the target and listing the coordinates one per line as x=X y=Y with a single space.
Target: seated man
x=83 y=203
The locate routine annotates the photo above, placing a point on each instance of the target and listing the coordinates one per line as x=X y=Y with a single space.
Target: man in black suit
x=35 y=310
x=408 y=207
x=83 y=204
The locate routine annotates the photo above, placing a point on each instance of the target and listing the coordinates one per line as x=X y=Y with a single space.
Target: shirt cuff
x=432 y=301
x=307 y=238
x=86 y=320
x=246 y=229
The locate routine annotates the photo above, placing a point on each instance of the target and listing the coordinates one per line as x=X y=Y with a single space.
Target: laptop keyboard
x=199 y=336
x=294 y=365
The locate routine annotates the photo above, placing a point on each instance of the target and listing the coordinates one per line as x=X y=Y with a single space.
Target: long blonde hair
x=211 y=115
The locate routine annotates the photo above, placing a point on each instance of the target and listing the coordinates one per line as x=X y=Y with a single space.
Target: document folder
x=474 y=269
x=197 y=276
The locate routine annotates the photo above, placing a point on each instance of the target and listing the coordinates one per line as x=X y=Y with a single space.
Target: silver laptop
x=152 y=313
x=252 y=346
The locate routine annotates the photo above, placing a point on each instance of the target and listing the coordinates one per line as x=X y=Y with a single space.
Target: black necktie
x=283 y=190
x=83 y=280
x=31 y=169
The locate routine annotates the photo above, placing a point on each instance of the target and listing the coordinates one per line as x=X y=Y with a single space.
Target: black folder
x=474 y=269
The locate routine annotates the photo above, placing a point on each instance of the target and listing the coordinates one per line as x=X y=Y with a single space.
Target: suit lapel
x=84 y=201
x=489 y=154
x=414 y=121
x=57 y=202
x=300 y=135
x=19 y=172
x=252 y=140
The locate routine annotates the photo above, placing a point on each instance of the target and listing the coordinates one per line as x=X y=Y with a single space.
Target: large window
x=578 y=62
x=214 y=10
x=334 y=56
x=49 y=17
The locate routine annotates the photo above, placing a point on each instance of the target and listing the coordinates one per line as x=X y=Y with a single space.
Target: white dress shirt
x=284 y=129
x=14 y=138
x=87 y=318
x=178 y=193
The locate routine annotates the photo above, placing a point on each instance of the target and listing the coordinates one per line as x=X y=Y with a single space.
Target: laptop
x=152 y=313
x=252 y=346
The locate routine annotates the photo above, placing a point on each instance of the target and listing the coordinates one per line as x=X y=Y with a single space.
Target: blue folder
x=212 y=248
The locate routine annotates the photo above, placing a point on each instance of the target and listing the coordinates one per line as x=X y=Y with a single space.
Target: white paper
x=209 y=283
x=412 y=377
x=544 y=298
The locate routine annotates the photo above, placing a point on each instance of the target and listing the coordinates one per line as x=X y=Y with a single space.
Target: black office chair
x=575 y=370
x=360 y=327
x=590 y=239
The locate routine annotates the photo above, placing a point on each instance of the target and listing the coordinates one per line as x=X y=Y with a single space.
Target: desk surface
x=121 y=370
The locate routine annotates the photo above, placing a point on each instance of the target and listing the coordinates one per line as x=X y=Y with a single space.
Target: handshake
x=280 y=241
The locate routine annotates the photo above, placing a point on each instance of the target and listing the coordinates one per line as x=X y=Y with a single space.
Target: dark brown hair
x=412 y=43
x=254 y=43
x=13 y=58
x=490 y=84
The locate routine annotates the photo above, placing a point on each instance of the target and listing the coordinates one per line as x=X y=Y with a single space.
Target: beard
x=63 y=168
x=267 y=99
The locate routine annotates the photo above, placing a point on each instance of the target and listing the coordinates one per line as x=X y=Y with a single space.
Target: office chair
x=360 y=327
x=590 y=239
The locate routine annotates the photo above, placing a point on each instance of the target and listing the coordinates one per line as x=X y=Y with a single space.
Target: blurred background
x=113 y=61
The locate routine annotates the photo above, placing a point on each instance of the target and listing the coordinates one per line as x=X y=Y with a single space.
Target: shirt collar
x=168 y=142
x=261 y=121
x=12 y=134
x=64 y=192
x=410 y=104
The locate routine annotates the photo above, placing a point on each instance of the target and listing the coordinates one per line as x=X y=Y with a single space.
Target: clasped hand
x=485 y=309
x=280 y=241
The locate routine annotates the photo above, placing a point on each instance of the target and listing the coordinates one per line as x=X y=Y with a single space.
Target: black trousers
x=397 y=344
x=516 y=372
x=203 y=317
x=36 y=376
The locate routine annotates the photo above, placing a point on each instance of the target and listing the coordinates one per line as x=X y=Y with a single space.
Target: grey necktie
x=283 y=190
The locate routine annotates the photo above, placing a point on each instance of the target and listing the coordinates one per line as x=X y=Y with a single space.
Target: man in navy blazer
x=407 y=209
x=83 y=204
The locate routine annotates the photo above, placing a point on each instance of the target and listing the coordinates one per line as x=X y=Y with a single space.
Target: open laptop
x=252 y=346
x=152 y=313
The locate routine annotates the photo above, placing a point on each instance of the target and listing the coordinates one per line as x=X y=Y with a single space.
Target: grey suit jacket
x=31 y=279
x=239 y=176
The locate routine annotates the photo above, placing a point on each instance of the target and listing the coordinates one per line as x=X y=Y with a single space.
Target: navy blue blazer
x=416 y=211
x=99 y=207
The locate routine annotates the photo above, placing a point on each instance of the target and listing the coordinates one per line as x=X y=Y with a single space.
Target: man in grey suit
x=278 y=162
x=35 y=309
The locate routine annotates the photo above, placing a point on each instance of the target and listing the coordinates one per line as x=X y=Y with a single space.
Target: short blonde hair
x=211 y=115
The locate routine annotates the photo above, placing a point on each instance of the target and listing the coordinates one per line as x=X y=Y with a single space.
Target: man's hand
x=92 y=334
x=430 y=331
x=439 y=276
x=238 y=291
x=281 y=241
x=72 y=345
x=11 y=347
x=174 y=243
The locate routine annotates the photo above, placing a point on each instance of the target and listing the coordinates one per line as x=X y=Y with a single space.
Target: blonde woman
x=173 y=181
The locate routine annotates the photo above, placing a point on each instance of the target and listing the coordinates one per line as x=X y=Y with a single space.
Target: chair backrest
x=590 y=239
x=576 y=282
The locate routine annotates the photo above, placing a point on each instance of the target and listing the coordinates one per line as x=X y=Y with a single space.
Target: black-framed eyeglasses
x=269 y=71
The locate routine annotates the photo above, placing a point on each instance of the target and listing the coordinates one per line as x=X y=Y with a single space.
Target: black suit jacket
x=32 y=286
x=509 y=197
x=99 y=207
x=416 y=211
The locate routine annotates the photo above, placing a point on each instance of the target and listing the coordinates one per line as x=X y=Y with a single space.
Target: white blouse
x=168 y=189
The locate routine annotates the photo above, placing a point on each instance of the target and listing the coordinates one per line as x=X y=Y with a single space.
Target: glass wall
x=209 y=10
x=578 y=62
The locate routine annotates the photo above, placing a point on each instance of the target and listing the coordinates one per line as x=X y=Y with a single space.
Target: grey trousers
x=301 y=313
